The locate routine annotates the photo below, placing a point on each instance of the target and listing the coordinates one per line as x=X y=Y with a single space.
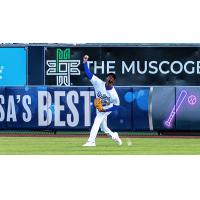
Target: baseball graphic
x=192 y=100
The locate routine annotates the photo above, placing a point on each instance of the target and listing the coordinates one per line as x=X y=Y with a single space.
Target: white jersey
x=109 y=97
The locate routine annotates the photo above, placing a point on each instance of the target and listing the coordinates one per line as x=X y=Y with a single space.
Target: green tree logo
x=63 y=67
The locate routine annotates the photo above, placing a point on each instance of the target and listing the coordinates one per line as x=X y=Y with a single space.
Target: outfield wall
x=157 y=86
x=71 y=108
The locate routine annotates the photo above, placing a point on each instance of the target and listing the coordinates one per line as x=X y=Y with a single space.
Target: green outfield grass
x=105 y=146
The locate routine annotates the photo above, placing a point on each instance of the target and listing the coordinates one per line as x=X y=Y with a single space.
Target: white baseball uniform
x=109 y=98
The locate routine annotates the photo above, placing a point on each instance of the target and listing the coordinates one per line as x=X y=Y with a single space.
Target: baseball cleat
x=116 y=138
x=89 y=144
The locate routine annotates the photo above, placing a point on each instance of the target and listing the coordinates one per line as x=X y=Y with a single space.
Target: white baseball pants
x=100 y=121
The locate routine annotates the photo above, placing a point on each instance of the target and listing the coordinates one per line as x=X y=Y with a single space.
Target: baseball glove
x=98 y=104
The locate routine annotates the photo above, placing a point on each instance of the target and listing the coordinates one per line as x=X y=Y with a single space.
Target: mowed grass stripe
x=105 y=146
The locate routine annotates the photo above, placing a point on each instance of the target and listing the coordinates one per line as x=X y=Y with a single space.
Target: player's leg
x=105 y=128
x=113 y=135
x=95 y=128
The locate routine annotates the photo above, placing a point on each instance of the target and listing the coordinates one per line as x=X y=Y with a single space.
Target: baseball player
x=106 y=101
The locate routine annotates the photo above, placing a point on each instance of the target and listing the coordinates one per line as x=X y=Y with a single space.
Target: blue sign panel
x=187 y=108
x=164 y=108
x=12 y=66
x=121 y=119
x=140 y=97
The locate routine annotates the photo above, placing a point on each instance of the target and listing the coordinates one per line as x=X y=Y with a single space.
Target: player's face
x=110 y=80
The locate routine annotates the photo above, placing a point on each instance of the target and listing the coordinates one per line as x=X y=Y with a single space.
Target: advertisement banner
x=72 y=108
x=12 y=66
x=60 y=108
x=133 y=66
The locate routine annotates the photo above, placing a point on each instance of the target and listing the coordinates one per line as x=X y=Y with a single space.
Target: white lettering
x=11 y=112
x=110 y=67
x=2 y=112
x=25 y=102
x=153 y=67
x=131 y=67
x=87 y=116
x=160 y=67
x=198 y=67
x=179 y=64
x=72 y=97
x=101 y=67
x=59 y=108
x=185 y=67
x=43 y=108
x=139 y=67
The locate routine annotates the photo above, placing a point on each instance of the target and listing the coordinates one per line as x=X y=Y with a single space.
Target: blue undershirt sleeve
x=87 y=71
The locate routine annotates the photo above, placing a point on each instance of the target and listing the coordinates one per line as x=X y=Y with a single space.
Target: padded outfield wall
x=43 y=86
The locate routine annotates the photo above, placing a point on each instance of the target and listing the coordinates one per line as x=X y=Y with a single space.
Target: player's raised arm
x=86 y=68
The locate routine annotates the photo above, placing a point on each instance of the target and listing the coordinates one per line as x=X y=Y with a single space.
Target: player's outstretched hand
x=85 y=58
